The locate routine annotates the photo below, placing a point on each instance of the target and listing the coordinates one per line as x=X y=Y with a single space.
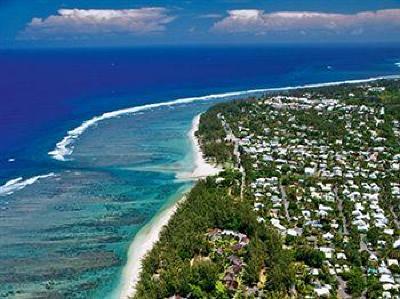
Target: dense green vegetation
x=190 y=261
x=212 y=136
x=179 y=263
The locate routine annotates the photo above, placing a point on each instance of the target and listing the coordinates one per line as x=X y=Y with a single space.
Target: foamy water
x=65 y=147
x=19 y=183
x=79 y=225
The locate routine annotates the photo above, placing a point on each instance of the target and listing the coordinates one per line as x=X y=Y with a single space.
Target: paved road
x=285 y=201
x=341 y=292
x=230 y=136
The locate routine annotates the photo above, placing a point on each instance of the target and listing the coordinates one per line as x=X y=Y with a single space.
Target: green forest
x=214 y=245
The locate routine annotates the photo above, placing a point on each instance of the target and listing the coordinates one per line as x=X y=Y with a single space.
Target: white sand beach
x=142 y=243
x=149 y=234
x=202 y=167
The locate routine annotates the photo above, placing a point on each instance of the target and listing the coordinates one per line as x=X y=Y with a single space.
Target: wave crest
x=65 y=147
x=19 y=183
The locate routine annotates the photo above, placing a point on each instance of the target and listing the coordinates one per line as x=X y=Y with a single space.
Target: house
x=323 y=291
x=392 y=262
x=328 y=236
x=341 y=256
x=327 y=251
x=309 y=171
x=396 y=244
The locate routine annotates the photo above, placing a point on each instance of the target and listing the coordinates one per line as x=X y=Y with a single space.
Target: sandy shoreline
x=202 y=167
x=148 y=235
x=142 y=243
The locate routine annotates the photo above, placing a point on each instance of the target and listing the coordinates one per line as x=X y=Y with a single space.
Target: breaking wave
x=65 y=147
x=19 y=183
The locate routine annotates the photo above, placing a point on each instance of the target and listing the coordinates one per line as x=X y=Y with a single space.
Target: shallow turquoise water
x=68 y=235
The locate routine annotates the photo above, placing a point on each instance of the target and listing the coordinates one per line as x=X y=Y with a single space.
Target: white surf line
x=19 y=183
x=65 y=147
x=145 y=239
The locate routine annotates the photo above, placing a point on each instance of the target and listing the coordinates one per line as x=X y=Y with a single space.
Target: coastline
x=147 y=236
x=166 y=212
x=140 y=246
x=132 y=161
x=65 y=147
x=203 y=168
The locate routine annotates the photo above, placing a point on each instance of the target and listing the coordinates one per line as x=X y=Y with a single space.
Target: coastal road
x=285 y=201
x=233 y=139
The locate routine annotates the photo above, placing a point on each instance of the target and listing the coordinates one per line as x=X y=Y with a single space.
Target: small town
x=325 y=174
x=219 y=149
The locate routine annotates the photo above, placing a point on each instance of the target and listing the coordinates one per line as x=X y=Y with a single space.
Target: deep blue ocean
x=66 y=223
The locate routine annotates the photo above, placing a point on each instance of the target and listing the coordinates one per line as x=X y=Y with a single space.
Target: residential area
x=324 y=172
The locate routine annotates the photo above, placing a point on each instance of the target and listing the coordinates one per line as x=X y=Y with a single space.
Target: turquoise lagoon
x=66 y=226
x=67 y=235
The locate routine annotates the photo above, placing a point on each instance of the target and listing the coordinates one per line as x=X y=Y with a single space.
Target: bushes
x=221 y=152
x=204 y=277
x=356 y=282
x=255 y=261
x=311 y=257
x=207 y=206
x=212 y=136
x=373 y=235
x=170 y=269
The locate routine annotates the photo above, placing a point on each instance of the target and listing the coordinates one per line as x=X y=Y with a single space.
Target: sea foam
x=65 y=147
x=19 y=183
